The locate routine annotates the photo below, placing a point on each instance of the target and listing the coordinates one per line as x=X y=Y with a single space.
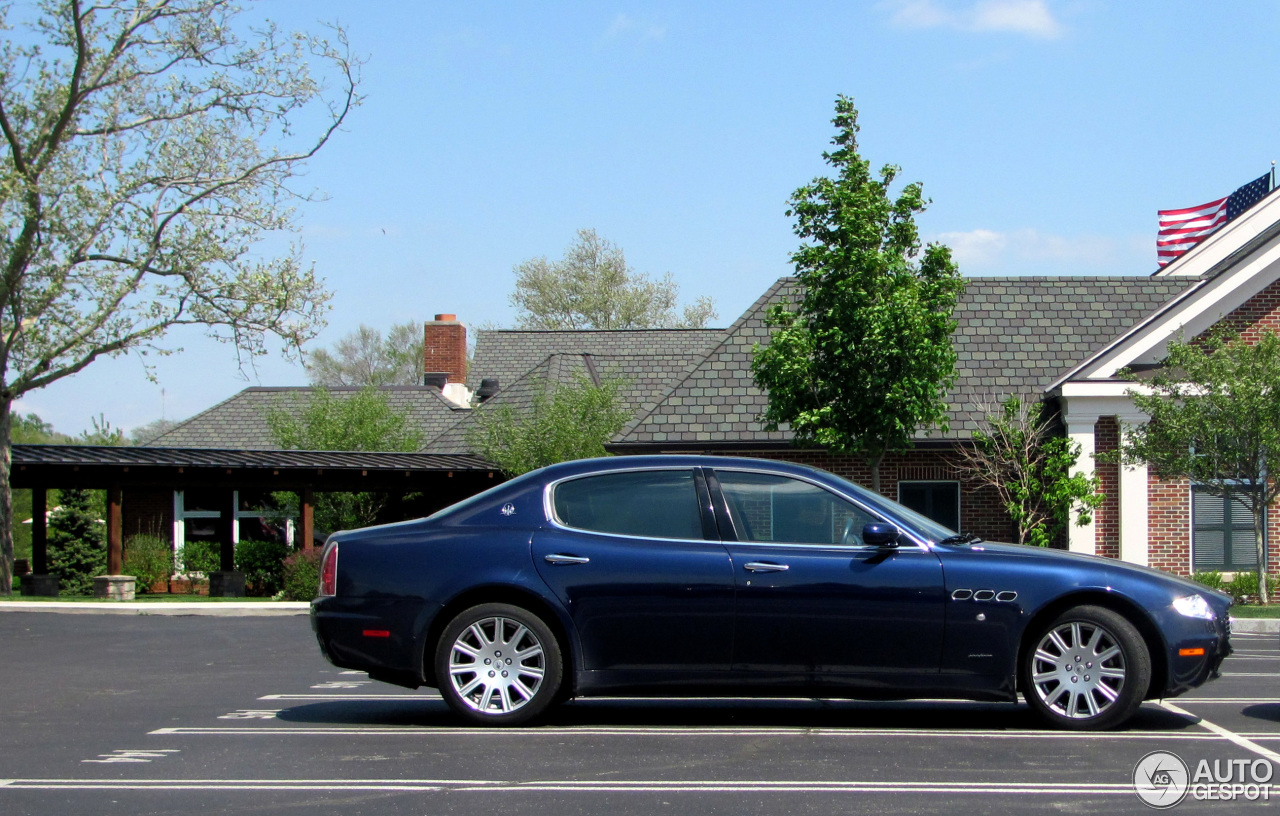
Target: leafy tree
x=1215 y=419
x=865 y=358
x=592 y=287
x=143 y=434
x=362 y=421
x=77 y=548
x=569 y=421
x=1019 y=454
x=145 y=148
x=365 y=357
x=103 y=434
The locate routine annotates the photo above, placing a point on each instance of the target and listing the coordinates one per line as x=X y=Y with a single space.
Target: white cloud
x=1030 y=17
x=1029 y=252
x=630 y=28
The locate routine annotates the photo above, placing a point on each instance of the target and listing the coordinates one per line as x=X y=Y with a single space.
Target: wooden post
x=39 y=531
x=308 y=519
x=115 y=529
x=225 y=521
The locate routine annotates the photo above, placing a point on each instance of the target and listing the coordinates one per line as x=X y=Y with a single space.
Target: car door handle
x=765 y=566
x=559 y=558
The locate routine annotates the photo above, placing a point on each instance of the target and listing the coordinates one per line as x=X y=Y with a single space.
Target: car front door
x=813 y=600
x=633 y=556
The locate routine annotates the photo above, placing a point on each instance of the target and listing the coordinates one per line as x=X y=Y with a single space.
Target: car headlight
x=1193 y=606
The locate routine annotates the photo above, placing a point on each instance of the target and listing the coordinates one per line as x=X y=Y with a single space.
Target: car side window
x=770 y=508
x=647 y=503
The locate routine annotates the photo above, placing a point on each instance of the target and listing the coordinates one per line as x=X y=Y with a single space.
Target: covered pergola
x=444 y=479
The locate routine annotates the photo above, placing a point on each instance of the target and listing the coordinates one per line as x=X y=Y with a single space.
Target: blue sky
x=1047 y=133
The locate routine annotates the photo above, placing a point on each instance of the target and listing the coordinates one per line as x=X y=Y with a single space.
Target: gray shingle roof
x=508 y=354
x=241 y=421
x=1014 y=335
x=645 y=379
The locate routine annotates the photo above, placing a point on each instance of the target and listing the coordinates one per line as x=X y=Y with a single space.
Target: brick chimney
x=445 y=348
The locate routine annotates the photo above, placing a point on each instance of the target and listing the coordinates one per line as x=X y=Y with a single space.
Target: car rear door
x=812 y=599
x=632 y=555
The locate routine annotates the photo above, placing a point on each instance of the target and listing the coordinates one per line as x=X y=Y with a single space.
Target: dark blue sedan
x=671 y=575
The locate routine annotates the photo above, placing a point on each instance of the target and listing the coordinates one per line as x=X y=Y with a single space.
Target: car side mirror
x=879 y=534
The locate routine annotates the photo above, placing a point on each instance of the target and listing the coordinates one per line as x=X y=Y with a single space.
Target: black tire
x=498 y=664
x=1087 y=670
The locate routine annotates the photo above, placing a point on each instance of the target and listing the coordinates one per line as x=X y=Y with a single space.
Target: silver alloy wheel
x=496 y=665
x=1078 y=670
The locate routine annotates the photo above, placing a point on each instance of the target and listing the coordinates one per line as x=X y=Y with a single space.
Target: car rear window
x=647 y=503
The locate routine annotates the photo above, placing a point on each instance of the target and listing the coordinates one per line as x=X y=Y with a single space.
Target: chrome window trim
x=902 y=528
x=548 y=504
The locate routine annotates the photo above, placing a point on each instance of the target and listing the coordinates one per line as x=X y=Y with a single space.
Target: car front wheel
x=1086 y=670
x=498 y=664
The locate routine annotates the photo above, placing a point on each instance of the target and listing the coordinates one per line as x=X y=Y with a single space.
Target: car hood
x=1110 y=565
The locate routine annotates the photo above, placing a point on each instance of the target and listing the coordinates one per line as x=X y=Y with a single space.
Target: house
x=1062 y=340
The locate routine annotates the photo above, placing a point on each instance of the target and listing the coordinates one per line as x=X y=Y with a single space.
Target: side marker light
x=1191 y=652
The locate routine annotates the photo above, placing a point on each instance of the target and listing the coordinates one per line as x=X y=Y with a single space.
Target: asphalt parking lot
x=106 y=714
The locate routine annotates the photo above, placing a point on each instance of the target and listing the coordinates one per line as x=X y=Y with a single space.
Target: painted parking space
x=301 y=732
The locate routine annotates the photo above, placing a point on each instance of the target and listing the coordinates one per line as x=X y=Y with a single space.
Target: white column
x=1133 y=501
x=1080 y=429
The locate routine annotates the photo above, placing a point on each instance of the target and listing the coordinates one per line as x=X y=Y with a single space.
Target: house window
x=196 y=514
x=939 y=501
x=1222 y=538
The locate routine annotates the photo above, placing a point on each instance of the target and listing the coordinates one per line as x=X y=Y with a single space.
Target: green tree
x=361 y=421
x=569 y=421
x=146 y=148
x=864 y=359
x=1020 y=455
x=77 y=549
x=365 y=357
x=593 y=287
x=1215 y=420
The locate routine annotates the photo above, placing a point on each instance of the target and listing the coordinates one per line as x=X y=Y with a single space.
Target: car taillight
x=329 y=571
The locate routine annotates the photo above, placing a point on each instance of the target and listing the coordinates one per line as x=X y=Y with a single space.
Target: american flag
x=1180 y=230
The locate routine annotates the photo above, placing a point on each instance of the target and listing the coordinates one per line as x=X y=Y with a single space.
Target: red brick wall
x=445 y=347
x=1169 y=525
x=149 y=511
x=1107 y=520
x=1259 y=314
x=980 y=509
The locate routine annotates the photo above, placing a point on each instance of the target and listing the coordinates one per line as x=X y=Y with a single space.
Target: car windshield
x=922 y=524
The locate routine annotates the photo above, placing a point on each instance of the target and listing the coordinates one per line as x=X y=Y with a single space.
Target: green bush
x=149 y=559
x=1213 y=580
x=77 y=550
x=302 y=575
x=200 y=557
x=262 y=563
x=1244 y=587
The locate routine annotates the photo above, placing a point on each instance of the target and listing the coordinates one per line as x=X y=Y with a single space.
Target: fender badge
x=508 y=509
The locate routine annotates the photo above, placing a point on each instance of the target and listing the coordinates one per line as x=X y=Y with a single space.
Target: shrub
x=77 y=551
x=302 y=575
x=1213 y=580
x=262 y=563
x=200 y=557
x=1244 y=587
x=149 y=559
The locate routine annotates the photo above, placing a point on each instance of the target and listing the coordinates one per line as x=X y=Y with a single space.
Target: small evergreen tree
x=77 y=550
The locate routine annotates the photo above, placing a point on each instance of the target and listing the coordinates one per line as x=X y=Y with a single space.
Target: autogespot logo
x=1161 y=779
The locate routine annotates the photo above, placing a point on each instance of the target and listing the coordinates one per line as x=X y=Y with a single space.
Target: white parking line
x=582 y=786
x=350 y=697
x=680 y=731
x=1227 y=700
x=1238 y=739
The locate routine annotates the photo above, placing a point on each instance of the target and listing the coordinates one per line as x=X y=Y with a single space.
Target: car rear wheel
x=498 y=664
x=1086 y=670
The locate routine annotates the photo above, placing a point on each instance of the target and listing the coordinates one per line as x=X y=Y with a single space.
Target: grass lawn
x=1252 y=611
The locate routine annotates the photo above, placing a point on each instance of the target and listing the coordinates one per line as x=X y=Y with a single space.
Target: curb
x=230 y=609
x=1255 y=626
